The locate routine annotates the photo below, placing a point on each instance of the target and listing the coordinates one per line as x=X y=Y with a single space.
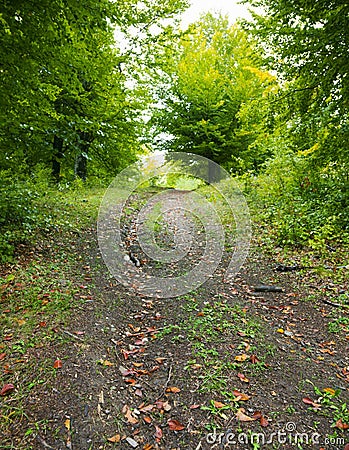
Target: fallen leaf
x=174 y=425
x=106 y=363
x=147 y=408
x=2 y=356
x=115 y=438
x=138 y=364
x=158 y=433
x=42 y=324
x=241 y=358
x=147 y=419
x=57 y=364
x=138 y=392
x=160 y=360
x=243 y=378
x=341 y=425
x=330 y=391
x=21 y=322
x=254 y=359
x=194 y=406
x=173 y=389
x=219 y=404
x=257 y=415
x=7 y=389
x=264 y=422
x=240 y=415
x=280 y=330
x=309 y=401
x=147 y=447
x=346 y=447
x=128 y=414
x=67 y=424
x=240 y=396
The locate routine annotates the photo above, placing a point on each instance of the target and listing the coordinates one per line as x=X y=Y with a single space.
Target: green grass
x=38 y=292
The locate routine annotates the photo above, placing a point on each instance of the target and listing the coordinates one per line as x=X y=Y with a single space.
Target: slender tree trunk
x=57 y=157
x=80 y=168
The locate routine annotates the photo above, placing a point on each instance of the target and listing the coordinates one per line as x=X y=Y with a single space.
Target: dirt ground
x=226 y=366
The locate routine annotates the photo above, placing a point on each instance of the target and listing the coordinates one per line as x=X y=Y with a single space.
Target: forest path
x=164 y=373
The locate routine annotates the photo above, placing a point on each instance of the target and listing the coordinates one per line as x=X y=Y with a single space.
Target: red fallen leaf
x=219 y=404
x=257 y=415
x=131 y=381
x=264 y=422
x=201 y=314
x=194 y=406
x=57 y=364
x=158 y=433
x=8 y=337
x=174 y=425
x=341 y=425
x=254 y=359
x=309 y=401
x=2 y=356
x=147 y=419
x=7 y=389
x=243 y=378
x=240 y=396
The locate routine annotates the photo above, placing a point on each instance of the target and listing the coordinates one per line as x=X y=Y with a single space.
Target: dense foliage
x=86 y=87
x=305 y=184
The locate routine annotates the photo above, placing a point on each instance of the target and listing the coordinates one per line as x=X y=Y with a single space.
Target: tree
x=212 y=74
x=63 y=92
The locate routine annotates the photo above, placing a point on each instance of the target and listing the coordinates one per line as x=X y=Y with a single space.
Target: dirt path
x=147 y=373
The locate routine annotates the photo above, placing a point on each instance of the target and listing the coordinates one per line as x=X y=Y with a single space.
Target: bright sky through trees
x=199 y=7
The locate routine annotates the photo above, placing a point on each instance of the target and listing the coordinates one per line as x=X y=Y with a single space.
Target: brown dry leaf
x=173 y=389
x=160 y=360
x=240 y=396
x=254 y=359
x=309 y=401
x=7 y=389
x=194 y=406
x=147 y=408
x=174 y=425
x=115 y=438
x=57 y=364
x=264 y=422
x=2 y=356
x=147 y=447
x=257 y=415
x=147 y=419
x=128 y=414
x=341 y=425
x=243 y=378
x=158 y=433
x=240 y=415
x=138 y=364
x=219 y=404
x=241 y=358
x=326 y=350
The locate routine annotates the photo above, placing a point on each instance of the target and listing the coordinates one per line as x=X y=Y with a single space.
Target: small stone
x=132 y=442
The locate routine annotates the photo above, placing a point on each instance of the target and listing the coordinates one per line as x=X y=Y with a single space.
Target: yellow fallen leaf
x=241 y=358
x=240 y=415
x=67 y=424
x=330 y=391
x=280 y=330
x=115 y=438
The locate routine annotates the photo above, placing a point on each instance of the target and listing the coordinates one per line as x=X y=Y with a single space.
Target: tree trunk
x=57 y=157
